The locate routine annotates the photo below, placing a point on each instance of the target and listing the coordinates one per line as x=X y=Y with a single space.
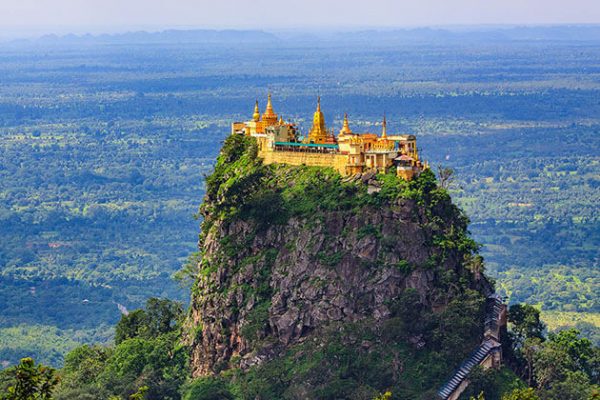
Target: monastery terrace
x=349 y=153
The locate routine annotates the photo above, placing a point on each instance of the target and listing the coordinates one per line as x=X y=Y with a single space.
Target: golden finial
x=269 y=105
x=318 y=103
x=256 y=115
x=281 y=122
x=384 y=128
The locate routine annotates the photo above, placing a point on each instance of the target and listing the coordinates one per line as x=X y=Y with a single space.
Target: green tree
x=580 y=349
x=528 y=351
x=79 y=376
x=130 y=326
x=207 y=389
x=7 y=379
x=83 y=365
x=160 y=316
x=526 y=323
x=575 y=386
x=188 y=273
x=550 y=365
x=521 y=394
x=140 y=394
x=147 y=360
x=31 y=382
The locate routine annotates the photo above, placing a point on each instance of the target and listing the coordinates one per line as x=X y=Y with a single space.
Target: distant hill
x=205 y=36
x=425 y=35
x=431 y=35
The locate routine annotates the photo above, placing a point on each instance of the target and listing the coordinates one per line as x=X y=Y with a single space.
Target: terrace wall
x=336 y=161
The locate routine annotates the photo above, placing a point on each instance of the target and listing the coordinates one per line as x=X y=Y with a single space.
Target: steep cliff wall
x=296 y=260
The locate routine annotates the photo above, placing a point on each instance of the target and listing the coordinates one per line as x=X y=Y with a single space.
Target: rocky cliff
x=306 y=279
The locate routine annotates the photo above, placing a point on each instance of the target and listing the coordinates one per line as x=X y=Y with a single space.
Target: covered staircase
x=488 y=354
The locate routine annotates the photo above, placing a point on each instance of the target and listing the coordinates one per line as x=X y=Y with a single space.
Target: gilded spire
x=384 y=128
x=269 y=109
x=346 y=127
x=318 y=132
x=269 y=117
x=256 y=115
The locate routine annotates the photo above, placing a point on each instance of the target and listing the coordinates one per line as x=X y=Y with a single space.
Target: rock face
x=271 y=279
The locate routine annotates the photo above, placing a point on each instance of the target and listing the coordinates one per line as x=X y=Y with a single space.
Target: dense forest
x=103 y=148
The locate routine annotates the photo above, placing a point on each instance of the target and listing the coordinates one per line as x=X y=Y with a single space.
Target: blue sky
x=118 y=15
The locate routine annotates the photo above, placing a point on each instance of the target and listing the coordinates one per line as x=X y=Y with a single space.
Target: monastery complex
x=349 y=153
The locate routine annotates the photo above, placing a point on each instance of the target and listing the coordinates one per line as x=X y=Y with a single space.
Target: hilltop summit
x=314 y=285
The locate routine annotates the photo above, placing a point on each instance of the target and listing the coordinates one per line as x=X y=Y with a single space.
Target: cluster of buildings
x=349 y=153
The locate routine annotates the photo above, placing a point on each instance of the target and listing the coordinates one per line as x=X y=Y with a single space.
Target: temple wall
x=336 y=161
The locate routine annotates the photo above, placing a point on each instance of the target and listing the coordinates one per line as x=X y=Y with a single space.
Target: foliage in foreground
x=149 y=363
x=28 y=381
x=559 y=366
x=146 y=362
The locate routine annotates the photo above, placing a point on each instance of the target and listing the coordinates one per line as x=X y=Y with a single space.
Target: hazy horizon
x=39 y=32
x=29 y=18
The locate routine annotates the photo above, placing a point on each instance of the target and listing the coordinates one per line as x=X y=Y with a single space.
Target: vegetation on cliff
x=311 y=285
